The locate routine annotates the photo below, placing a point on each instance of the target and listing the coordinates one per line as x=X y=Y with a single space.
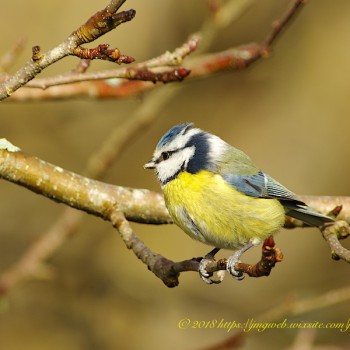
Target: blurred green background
x=288 y=112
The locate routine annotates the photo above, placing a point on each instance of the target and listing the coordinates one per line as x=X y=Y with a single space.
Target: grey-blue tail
x=301 y=211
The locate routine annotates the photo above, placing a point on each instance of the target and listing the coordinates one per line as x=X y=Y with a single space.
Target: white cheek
x=168 y=168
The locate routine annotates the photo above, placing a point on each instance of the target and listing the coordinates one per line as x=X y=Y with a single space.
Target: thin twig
x=202 y=66
x=139 y=71
x=159 y=265
x=332 y=234
x=102 y=52
x=292 y=307
x=114 y=5
x=280 y=24
x=31 y=263
x=9 y=58
x=99 y=24
x=269 y=257
x=82 y=66
x=243 y=56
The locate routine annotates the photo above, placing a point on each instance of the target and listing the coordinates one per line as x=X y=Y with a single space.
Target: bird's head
x=185 y=148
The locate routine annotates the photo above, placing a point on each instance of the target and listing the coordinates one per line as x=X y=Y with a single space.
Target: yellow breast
x=210 y=210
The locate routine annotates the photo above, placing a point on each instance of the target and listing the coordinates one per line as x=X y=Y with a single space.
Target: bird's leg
x=231 y=262
x=203 y=273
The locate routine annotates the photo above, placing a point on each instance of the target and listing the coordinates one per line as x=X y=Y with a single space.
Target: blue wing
x=262 y=185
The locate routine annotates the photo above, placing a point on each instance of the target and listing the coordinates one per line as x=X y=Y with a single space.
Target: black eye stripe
x=166 y=155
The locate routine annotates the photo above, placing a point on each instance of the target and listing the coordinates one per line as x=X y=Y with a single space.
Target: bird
x=218 y=196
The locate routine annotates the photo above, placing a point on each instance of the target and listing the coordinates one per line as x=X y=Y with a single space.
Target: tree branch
x=99 y=24
x=162 y=267
x=119 y=204
x=332 y=234
x=93 y=197
x=243 y=56
x=31 y=263
x=139 y=71
x=236 y=58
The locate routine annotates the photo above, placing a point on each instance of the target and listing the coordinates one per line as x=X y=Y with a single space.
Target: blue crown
x=173 y=132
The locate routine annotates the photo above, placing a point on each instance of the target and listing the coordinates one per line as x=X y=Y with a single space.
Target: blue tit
x=218 y=196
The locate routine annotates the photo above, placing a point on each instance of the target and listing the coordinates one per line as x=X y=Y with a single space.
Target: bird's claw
x=205 y=275
x=230 y=267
